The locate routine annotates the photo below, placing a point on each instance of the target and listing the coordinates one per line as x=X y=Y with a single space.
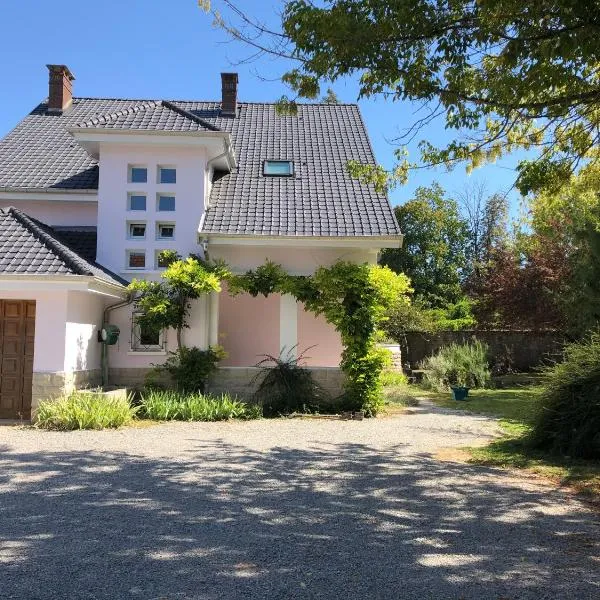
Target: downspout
x=105 y=320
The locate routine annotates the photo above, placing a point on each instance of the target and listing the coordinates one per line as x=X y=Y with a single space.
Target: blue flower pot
x=459 y=393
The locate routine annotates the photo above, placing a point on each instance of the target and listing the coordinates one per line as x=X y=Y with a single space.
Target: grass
x=515 y=407
x=84 y=410
x=167 y=405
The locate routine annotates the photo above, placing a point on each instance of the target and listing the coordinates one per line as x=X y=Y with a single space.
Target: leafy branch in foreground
x=503 y=74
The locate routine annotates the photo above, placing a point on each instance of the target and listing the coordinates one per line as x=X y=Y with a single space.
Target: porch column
x=288 y=326
x=213 y=324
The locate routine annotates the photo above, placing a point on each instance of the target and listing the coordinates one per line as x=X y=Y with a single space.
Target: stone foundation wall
x=134 y=377
x=242 y=381
x=238 y=381
x=46 y=386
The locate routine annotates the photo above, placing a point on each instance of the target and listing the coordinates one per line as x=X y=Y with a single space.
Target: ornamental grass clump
x=567 y=420
x=286 y=387
x=85 y=410
x=457 y=365
x=168 y=405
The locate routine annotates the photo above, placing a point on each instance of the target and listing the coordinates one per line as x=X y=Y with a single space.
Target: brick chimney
x=60 y=93
x=229 y=86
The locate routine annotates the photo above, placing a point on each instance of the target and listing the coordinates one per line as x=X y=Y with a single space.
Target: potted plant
x=458 y=380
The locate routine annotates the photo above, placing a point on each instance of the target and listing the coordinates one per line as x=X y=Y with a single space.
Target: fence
x=519 y=350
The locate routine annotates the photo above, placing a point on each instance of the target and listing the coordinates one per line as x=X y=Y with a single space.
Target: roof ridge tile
x=189 y=115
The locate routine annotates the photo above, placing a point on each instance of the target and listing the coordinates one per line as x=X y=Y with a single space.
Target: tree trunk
x=179 y=342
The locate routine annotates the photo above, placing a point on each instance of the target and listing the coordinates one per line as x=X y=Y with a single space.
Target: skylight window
x=278 y=168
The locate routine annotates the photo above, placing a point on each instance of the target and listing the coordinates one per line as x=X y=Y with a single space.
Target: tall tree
x=487 y=220
x=511 y=73
x=433 y=252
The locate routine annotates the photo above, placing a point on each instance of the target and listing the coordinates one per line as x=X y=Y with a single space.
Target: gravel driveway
x=297 y=508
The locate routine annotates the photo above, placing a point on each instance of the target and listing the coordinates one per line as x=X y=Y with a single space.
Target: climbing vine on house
x=355 y=299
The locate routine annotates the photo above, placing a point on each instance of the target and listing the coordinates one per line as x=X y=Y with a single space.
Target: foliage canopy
x=514 y=74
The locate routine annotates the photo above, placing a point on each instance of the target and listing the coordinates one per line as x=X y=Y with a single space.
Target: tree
x=523 y=285
x=166 y=304
x=569 y=220
x=511 y=73
x=433 y=252
x=487 y=222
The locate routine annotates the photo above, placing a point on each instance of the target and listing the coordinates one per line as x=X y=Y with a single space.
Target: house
x=92 y=189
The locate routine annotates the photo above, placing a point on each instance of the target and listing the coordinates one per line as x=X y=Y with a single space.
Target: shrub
x=568 y=416
x=84 y=410
x=286 y=387
x=190 y=368
x=168 y=405
x=463 y=365
x=390 y=377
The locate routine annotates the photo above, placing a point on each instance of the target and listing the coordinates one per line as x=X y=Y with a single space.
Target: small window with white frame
x=167 y=174
x=146 y=339
x=136 y=231
x=136 y=201
x=165 y=231
x=136 y=259
x=137 y=174
x=165 y=203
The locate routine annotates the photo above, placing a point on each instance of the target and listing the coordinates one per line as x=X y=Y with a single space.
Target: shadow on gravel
x=344 y=521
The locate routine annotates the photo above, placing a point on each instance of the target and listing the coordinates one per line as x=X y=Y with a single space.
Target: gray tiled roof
x=321 y=199
x=84 y=241
x=28 y=247
x=154 y=115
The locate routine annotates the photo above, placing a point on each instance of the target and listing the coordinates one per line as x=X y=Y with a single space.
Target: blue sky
x=169 y=49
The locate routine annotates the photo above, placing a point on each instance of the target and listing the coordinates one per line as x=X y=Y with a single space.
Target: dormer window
x=278 y=168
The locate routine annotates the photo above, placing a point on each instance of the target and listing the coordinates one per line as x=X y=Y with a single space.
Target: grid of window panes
x=137 y=230
x=136 y=260
x=167 y=175
x=166 y=231
x=166 y=203
x=137 y=202
x=138 y=174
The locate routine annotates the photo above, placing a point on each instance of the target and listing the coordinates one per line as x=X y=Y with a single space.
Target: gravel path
x=297 y=508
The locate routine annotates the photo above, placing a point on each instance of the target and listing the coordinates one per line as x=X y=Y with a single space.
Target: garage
x=17 y=335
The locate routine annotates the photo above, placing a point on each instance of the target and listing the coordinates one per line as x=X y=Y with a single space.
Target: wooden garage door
x=17 y=330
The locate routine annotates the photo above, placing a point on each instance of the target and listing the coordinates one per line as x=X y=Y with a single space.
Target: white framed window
x=145 y=339
x=136 y=231
x=167 y=174
x=136 y=259
x=165 y=203
x=136 y=201
x=159 y=262
x=165 y=231
x=278 y=168
x=137 y=174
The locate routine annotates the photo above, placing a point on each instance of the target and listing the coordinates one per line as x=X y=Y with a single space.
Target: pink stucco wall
x=52 y=212
x=292 y=259
x=317 y=332
x=248 y=327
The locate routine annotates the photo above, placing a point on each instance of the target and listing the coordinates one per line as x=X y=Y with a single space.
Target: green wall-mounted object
x=110 y=334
